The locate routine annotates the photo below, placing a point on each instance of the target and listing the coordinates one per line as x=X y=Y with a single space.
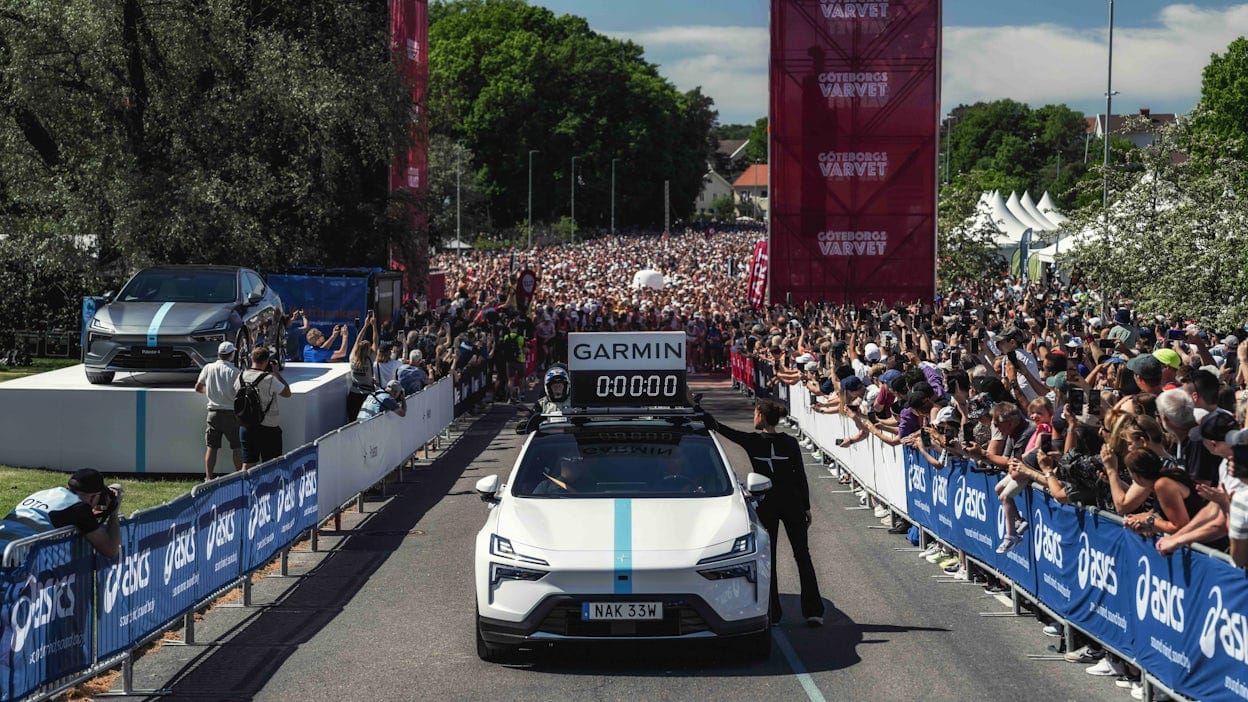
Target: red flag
x=409 y=40
x=758 y=275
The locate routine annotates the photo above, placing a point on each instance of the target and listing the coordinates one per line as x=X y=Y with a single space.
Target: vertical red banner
x=758 y=275
x=855 y=110
x=409 y=49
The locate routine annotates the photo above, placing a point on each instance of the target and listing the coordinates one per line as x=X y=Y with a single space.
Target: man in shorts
x=216 y=380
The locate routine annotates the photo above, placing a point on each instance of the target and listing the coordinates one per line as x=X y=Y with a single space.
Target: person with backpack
x=255 y=406
x=391 y=399
x=217 y=381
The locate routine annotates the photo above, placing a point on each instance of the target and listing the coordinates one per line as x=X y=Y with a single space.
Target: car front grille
x=679 y=619
x=166 y=360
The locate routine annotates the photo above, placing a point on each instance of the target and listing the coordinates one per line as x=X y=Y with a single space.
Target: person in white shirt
x=216 y=380
x=387 y=366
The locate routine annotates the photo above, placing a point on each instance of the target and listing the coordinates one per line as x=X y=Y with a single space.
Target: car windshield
x=181 y=286
x=622 y=462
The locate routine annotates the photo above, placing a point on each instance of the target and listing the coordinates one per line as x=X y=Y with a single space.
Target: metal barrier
x=213 y=539
x=1172 y=617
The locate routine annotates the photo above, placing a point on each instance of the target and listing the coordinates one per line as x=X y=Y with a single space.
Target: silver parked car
x=171 y=319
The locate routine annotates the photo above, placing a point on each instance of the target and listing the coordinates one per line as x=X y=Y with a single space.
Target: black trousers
x=795 y=526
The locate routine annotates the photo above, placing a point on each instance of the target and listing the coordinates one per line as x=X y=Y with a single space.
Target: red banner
x=855 y=109
x=409 y=42
x=758 y=275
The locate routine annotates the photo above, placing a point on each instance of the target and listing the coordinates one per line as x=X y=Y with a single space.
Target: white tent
x=1016 y=208
x=1049 y=209
x=648 y=279
x=1029 y=206
x=1010 y=229
x=456 y=245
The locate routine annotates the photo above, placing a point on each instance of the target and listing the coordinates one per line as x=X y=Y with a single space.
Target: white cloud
x=1050 y=63
x=1158 y=66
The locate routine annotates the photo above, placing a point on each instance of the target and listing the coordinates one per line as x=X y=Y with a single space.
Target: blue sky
x=1035 y=51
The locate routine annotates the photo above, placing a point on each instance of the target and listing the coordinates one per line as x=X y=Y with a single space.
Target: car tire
x=242 y=342
x=100 y=377
x=491 y=653
x=754 y=647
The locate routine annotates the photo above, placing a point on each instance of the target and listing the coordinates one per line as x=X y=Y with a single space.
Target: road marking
x=154 y=327
x=799 y=670
x=623 y=547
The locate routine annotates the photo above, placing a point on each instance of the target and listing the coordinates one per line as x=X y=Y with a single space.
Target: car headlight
x=206 y=338
x=219 y=326
x=502 y=547
x=98 y=324
x=742 y=570
x=743 y=546
x=500 y=573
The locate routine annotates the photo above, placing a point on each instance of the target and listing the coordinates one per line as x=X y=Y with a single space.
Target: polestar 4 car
x=622 y=530
x=171 y=319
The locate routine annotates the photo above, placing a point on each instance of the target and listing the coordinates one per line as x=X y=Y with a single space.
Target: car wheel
x=100 y=377
x=491 y=653
x=243 y=343
x=754 y=647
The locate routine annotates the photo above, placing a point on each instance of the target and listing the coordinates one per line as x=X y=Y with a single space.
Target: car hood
x=180 y=317
x=569 y=524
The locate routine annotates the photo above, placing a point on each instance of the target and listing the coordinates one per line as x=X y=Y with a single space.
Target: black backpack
x=247 y=405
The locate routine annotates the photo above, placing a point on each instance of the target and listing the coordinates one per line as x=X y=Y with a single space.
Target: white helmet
x=557 y=384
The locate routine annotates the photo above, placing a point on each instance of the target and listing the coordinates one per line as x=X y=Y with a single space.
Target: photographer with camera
x=86 y=503
x=392 y=399
x=255 y=405
x=320 y=349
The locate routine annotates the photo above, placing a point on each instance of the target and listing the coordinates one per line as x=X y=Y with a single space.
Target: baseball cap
x=393 y=386
x=1146 y=366
x=1056 y=380
x=947 y=415
x=803 y=359
x=1012 y=333
x=851 y=384
x=1074 y=343
x=1168 y=357
x=871 y=352
x=1216 y=426
x=86 y=480
x=414 y=356
x=887 y=376
x=811 y=366
x=226 y=348
x=1122 y=316
x=1231 y=341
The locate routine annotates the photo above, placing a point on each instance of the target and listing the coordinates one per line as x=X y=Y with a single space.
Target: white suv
x=616 y=528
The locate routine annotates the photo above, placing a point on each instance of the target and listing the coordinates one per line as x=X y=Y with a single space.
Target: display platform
x=146 y=422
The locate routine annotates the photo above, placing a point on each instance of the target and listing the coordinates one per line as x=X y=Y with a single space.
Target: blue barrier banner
x=1100 y=601
x=48 y=606
x=326 y=300
x=1220 y=669
x=127 y=591
x=974 y=516
x=1017 y=564
x=1164 y=623
x=221 y=515
x=303 y=474
x=918 y=487
x=1055 y=543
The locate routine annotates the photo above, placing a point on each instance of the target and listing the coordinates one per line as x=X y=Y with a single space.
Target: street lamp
x=1109 y=108
x=574 y=198
x=459 y=152
x=530 y=227
x=613 y=195
x=949 y=145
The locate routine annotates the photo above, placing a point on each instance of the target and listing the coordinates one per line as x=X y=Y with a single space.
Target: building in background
x=750 y=192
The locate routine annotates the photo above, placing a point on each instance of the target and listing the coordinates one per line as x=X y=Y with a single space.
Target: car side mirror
x=108 y=296
x=254 y=297
x=487 y=488
x=757 y=483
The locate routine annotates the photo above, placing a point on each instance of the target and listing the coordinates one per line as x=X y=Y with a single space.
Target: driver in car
x=573 y=478
x=675 y=477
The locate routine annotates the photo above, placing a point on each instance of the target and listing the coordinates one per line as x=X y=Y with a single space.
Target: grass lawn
x=38 y=365
x=141 y=493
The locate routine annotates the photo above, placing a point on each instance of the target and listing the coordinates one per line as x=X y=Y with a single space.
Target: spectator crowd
x=1054 y=386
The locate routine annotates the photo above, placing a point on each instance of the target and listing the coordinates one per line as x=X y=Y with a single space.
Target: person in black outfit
x=779 y=457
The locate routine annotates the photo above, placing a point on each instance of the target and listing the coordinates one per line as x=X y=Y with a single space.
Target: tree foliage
x=507 y=77
x=1175 y=237
x=757 y=151
x=207 y=132
x=1018 y=148
x=965 y=251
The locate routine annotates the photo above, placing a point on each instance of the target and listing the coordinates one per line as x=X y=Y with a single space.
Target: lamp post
x=530 y=227
x=459 y=152
x=574 y=199
x=1109 y=109
x=613 y=195
x=949 y=145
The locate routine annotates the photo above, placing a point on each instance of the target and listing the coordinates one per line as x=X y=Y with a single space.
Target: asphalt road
x=388 y=615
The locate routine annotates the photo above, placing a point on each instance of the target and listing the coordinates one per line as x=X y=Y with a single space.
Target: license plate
x=621 y=611
x=149 y=352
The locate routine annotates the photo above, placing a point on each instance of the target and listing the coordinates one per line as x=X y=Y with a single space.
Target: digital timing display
x=631 y=388
x=621 y=369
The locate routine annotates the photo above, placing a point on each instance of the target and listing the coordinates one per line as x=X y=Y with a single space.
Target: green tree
x=724 y=207
x=254 y=133
x=756 y=152
x=507 y=77
x=1224 y=97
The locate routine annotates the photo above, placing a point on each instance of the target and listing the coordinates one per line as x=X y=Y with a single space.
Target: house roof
x=1118 y=123
x=733 y=148
x=754 y=177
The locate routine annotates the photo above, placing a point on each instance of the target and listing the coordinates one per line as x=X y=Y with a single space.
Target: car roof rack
x=584 y=415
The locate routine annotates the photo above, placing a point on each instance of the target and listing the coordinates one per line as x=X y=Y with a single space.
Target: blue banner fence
x=1183 y=618
x=68 y=613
